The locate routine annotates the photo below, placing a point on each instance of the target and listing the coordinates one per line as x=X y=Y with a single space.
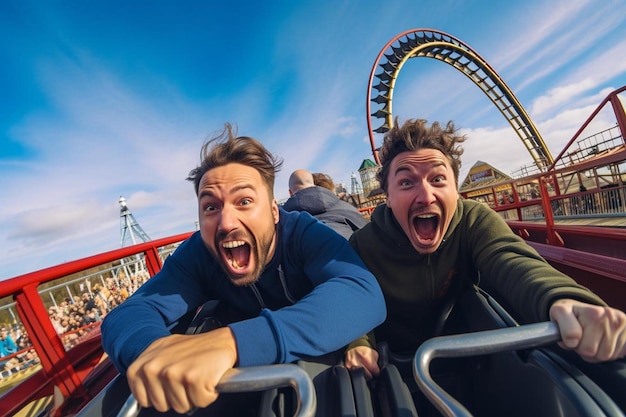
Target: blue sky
x=102 y=99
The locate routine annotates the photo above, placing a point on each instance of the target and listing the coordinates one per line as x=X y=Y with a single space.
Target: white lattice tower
x=355 y=187
x=129 y=227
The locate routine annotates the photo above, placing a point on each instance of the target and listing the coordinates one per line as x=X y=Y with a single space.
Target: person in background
x=323 y=180
x=322 y=203
x=293 y=287
x=7 y=347
x=426 y=244
x=7 y=344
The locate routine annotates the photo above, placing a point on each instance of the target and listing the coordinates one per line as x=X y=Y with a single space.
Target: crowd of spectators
x=73 y=319
x=15 y=350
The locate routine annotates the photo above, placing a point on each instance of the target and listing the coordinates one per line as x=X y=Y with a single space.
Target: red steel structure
x=578 y=220
x=68 y=379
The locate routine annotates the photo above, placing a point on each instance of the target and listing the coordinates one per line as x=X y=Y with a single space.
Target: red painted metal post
x=547 y=210
x=153 y=261
x=618 y=109
x=46 y=342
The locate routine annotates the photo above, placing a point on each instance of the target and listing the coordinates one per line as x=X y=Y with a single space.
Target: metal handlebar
x=257 y=378
x=473 y=344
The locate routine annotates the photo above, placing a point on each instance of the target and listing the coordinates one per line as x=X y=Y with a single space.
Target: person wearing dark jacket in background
x=322 y=203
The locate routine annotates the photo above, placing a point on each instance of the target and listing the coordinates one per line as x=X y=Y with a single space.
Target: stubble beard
x=259 y=250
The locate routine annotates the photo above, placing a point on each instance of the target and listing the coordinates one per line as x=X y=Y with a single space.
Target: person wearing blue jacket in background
x=7 y=347
x=7 y=344
x=297 y=288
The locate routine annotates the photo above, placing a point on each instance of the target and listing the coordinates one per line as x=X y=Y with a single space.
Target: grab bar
x=256 y=378
x=474 y=344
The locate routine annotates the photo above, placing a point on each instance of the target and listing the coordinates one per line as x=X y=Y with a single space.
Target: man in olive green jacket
x=426 y=242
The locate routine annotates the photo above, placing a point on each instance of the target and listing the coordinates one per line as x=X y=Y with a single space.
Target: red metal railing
x=72 y=372
x=575 y=213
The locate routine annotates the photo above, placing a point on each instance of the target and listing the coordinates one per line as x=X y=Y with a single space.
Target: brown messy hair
x=323 y=180
x=415 y=134
x=228 y=148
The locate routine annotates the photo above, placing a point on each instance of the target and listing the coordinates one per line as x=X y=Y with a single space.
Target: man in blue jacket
x=297 y=288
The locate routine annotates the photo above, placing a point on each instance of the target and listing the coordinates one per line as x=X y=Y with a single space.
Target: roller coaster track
x=430 y=43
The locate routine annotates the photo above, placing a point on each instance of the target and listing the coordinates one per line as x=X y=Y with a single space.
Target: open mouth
x=426 y=226
x=237 y=254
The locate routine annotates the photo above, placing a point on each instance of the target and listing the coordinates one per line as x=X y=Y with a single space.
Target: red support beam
x=45 y=340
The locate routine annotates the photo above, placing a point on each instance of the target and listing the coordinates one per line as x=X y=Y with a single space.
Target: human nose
x=425 y=194
x=228 y=220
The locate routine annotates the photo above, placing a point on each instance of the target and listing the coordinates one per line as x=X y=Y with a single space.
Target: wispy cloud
x=126 y=114
x=531 y=40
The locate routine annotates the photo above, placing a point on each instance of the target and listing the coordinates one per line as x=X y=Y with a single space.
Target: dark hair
x=323 y=180
x=226 y=148
x=414 y=134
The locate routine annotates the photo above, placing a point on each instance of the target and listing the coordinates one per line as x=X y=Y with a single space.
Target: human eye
x=403 y=180
x=439 y=179
x=245 y=202
x=209 y=205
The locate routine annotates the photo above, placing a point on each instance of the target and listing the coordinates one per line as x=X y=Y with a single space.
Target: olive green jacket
x=478 y=249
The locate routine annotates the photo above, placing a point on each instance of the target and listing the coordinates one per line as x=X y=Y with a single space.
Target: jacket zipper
x=432 y=272
x=432 y=278
x=257 y=294
x=283 y=283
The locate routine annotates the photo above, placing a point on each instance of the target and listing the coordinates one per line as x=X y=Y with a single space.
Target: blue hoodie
x=314 y=297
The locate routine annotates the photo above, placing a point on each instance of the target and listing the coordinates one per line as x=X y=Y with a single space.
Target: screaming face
x=422 y=194
x=237 y=253
x=238 y=220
